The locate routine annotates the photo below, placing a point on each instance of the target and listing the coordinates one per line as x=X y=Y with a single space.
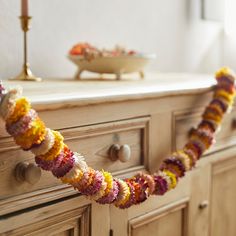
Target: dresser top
x=55 y=93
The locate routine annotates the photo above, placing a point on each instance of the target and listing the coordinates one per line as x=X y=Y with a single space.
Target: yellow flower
x=124 y=193
x=34 y=135
x=222 y=93
x=184 y=158
x=172 y=178
x=109 y=180
x=212 y=116
x=22 y=106
x=56 y=148
x=224 y=71
x=73 y=176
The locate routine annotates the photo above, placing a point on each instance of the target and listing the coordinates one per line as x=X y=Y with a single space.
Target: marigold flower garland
x=52 y=154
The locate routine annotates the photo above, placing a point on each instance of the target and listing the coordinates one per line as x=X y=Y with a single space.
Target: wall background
x=172 y=29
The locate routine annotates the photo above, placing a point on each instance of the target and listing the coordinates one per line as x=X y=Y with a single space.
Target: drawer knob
x=27 y=172
x=234 y=124
x=203 y=205
x=120 y=152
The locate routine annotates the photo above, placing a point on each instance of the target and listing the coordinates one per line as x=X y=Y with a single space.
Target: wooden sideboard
x=151 y=117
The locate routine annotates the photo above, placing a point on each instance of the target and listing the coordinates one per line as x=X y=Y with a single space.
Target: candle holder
x=26 y=74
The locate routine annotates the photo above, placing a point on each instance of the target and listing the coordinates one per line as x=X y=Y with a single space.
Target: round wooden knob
x=233 y=124
x=122 y=153
x=27 y=172
x=203 y=205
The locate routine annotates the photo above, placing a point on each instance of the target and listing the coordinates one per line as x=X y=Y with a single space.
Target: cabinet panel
x=61 y=225
x=70 y=217
x=158 y=222
x=223 y=195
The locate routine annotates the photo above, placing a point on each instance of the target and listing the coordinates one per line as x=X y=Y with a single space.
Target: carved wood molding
x=156 y=214
x=224 y=165
x=65 y=216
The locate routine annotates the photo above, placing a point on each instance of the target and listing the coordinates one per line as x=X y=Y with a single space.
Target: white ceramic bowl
x=117 y=65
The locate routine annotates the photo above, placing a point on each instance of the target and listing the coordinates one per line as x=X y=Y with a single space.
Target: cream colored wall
x=230 y=51
x=171 y=28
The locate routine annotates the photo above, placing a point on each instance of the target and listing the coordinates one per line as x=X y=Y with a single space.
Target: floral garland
x=52 y=154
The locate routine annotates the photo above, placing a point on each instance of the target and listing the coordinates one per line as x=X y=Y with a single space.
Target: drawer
x=66 y=217
x=183 y=121
x=93 y=141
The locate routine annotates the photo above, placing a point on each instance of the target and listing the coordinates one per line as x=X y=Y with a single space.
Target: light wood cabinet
x=223 y=196
x=153 y=119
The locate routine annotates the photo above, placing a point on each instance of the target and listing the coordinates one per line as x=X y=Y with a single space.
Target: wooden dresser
x=152 y=118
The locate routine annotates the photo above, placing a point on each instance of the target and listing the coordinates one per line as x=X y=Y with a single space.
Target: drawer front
x=94 y=142
x=185 y=120
x=68 y=217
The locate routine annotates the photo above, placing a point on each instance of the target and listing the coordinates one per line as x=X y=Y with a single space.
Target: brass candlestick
x=26 y=74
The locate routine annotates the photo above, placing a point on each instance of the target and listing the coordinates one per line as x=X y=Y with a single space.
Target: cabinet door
x=167 y=220
x=181 y=212
x=223 y=198
x=158 y=216
x=69 y=217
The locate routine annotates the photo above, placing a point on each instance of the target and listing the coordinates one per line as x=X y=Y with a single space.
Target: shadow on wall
x=203 y=42
x=229 y=56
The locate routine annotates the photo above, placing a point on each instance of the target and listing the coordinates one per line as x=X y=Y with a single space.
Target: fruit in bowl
x=116 y=61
